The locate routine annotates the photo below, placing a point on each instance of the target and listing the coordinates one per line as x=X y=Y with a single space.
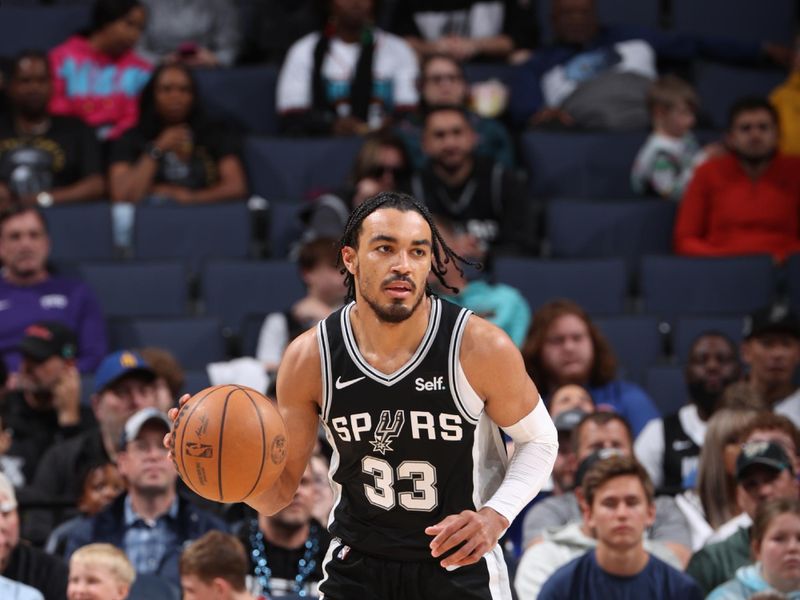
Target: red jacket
x=724 y=212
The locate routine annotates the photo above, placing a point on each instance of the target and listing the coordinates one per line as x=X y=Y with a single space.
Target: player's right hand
x=173 y=414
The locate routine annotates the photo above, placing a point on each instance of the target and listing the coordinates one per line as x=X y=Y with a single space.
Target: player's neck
x=283 y=535
x=622 y=562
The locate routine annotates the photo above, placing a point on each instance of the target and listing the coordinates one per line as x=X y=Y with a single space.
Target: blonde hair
x=106 y=556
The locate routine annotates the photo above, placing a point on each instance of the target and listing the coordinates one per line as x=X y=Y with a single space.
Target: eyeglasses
x=443 y=78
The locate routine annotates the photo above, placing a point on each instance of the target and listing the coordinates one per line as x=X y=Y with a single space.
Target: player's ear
x=350 y=259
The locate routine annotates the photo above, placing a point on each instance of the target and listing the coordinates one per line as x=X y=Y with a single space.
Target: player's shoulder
x=303 y=350
x=484 y=339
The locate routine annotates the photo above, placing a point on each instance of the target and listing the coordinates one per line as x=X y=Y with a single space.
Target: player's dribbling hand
x=477 y=531
x=173 y=414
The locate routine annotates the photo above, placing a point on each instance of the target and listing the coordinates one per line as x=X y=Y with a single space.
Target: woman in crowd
x=97 y=76
x=775 y=542
x=174 y=152
x=564 y=346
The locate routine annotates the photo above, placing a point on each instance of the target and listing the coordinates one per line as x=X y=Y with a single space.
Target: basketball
x=229 y=443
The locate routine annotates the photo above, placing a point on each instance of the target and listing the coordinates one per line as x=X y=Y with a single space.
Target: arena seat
x=687 y=329
x=231 y=290
x=151 y=289
x=193 y=234
x=284 y=227
x=681 y=286
x=598 y=285
x=80 y=232
x=636 y=341
x=579 y=164
x=39 y=27
x=195 y=381
x=666 y=385
x=242 y=95
x=194 y=341
x=294 y=169
x=746 y=20
x=793 y=280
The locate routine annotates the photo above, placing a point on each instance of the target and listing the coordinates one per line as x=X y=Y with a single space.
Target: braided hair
x=442 y=253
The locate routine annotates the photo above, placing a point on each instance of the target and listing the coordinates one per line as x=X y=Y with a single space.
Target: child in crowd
x=664 y=165
x=99 y=572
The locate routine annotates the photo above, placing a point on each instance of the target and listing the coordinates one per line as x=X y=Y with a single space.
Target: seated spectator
x=469 y=29
x=101 y=484
x=347 y=79
x=20 y=561
x=498 y=303
x=215 y=566
x=123 y=386
x=597 y=76
x=763 y=472
x=570 y=397
x=151 y=523
x=619 y=567
x=99 y=572
x=775 y=539
x=569 y=404
x=45 y=406
x=597 y=431
x=287 y=549
x=669 y=448
x=746 y=201
x=564 y=346
x=666 y=162
x=174 y=152
x=473 y=191
x=170 y=376
x=44 y=159
x=786 y=100
x=560 y=545
x=197 y=33
x=97 y=76
x=442 y=83
x=381 y=165
x=29 y=292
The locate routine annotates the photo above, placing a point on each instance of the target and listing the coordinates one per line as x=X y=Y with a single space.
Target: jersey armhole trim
x=454 y=367
x=325 y=366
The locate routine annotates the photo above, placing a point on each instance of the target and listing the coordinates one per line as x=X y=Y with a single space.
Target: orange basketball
x=229 y=443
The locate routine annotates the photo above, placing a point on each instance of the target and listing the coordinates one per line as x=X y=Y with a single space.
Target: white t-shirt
x=790 y=407
x=395 y=72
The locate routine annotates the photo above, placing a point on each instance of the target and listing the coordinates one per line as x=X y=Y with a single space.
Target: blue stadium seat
x=251 y=328
x=793 y=280
x=284 y=227
x=194 y=341
x=231 y=290
x=242 y=95
x=720 y=85
x=293 y=169
x=736 y=19
x=39 y=28
x=631 y=229
x=599 y=286
x=687 y=329
x=80 y=232
x=609 y=12
x=195 y=381
x=679 y=286
x=666 y=385
x=156 y=289
x=636 y=341
x=192 y=233
x=581 y=165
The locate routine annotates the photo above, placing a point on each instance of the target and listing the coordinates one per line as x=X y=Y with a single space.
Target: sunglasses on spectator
x=443 y=78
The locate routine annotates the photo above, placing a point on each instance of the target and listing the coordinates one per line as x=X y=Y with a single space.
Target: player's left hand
x=478 y=531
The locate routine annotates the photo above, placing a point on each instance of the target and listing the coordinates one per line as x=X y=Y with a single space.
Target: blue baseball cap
x=118 y=365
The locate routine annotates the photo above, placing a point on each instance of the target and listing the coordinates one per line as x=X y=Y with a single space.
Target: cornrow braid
x=442 y=253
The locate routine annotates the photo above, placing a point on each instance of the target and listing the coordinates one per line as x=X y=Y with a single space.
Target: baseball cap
x=595 y=457
x=768 y=454
x=7 y=490
x=566 y=421
x=134 y=424
x=118 y=365
x=45 y=339
x=773 y=319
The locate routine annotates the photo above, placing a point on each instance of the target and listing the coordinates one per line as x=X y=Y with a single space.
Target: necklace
x=305 y=566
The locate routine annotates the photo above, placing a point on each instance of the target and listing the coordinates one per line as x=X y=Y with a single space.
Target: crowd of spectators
x=699 y=501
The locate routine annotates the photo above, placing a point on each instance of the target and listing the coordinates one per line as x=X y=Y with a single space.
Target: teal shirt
x=498 y=303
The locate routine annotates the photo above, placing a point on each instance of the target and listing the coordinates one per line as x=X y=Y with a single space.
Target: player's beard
x=394 y=312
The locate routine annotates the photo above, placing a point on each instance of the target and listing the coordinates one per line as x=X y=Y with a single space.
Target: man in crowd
x=150 y=522
x=214 y=567
x=30 y=293
x=44 y=159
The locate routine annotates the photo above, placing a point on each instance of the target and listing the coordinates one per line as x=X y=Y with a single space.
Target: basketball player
x=411 y=390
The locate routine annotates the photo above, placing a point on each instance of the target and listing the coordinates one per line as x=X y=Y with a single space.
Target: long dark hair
x=442 y=253
x=150 y=123
x=108 y=11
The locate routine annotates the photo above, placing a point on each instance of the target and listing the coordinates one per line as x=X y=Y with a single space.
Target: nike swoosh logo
x=340 y=385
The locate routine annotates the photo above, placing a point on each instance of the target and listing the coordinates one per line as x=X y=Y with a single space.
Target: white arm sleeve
x=535 y=448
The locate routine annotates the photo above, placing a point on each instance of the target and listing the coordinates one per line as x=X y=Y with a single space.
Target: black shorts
x=348 y=574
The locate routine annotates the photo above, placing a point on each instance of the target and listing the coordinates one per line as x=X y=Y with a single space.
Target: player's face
x=145 y=463
x=24 y=246
x=391 y=263
x=568 y=351
x=594 y=436
x=779 y=552
x=94 y=582
x=620 y=512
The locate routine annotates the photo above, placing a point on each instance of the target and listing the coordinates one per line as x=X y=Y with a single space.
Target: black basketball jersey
x=410 y=447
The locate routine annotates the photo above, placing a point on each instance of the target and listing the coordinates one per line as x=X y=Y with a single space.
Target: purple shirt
x=67 y=301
